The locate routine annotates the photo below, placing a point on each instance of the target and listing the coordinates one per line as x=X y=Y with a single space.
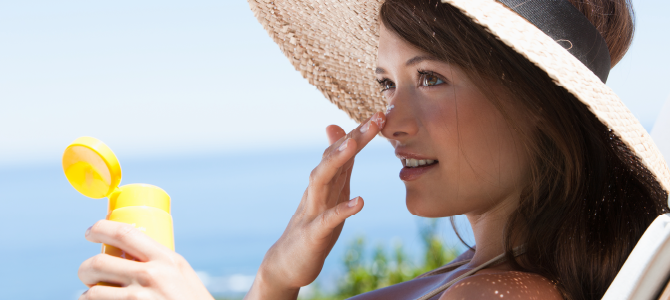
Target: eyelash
x=385 y=82
x=423 y=74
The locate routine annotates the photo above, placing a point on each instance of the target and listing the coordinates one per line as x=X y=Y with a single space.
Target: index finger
x=126 y=237
x=338 y=154
x=365 y=132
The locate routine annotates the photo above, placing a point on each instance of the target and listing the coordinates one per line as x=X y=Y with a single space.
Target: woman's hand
x=296 y=259
x=158 y=273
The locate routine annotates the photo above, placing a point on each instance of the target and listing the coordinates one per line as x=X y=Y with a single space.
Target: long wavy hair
x=589 y=199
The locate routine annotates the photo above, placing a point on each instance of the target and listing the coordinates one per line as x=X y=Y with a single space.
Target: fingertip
x=334 y=133
x=379 y=119
x=356 y=206
x=91 y=231
x=333 y=128
x=353 y=203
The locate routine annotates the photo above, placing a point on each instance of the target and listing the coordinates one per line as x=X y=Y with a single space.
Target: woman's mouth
x=416 y=163
x=413 y=168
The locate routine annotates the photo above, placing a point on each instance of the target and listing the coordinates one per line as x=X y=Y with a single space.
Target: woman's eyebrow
x=412 y=61
x=417 y=59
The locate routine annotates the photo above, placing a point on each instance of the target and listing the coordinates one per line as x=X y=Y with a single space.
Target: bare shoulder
x=503 y=285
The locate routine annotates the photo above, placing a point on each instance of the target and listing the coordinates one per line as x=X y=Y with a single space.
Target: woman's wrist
x=265 y=286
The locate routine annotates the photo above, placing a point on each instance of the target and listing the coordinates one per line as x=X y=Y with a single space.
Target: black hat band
x=564 y=23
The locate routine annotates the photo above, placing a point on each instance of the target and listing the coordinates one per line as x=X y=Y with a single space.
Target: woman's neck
x=489 y=228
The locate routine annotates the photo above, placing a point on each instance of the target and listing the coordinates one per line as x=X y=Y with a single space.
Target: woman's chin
x=424 y=205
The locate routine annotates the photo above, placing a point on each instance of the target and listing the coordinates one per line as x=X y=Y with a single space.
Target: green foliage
x=437 y=254
x=384 y=267
x=363 y=274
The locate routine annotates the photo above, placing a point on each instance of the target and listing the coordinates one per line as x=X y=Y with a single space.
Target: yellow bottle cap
x=93 y=170
x=91 y=167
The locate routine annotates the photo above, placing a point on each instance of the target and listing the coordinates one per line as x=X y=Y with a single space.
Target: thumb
x=336 y=215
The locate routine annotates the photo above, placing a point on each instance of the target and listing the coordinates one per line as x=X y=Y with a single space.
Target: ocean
x=228 y=209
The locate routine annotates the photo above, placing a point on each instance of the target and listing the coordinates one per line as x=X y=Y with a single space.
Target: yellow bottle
x=93 y=170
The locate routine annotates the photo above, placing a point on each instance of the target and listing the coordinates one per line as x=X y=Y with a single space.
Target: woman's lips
x=409 y=174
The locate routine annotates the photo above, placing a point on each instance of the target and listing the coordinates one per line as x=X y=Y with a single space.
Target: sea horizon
x=228 y=209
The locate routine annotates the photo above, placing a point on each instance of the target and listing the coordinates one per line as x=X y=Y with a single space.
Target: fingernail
x=88 y=231
x=366 y=127
x=377 y=118
x=353 y=202
x=344 y=145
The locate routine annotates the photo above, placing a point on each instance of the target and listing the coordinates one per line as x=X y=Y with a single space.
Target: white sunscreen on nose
x=388 y=109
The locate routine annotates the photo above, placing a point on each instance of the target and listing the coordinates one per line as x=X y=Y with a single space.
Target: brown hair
x=589 y=199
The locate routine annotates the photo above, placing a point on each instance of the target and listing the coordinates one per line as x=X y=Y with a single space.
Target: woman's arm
x=296 y=259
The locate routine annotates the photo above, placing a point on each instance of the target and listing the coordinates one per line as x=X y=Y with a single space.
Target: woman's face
x=438 y=115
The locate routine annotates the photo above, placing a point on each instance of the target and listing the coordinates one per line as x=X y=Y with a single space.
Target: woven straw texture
x=333 y=44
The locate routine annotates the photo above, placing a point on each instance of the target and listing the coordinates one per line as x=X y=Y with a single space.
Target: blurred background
x=194 y=97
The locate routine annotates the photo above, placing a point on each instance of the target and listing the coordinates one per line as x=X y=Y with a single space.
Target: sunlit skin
x=437 y=114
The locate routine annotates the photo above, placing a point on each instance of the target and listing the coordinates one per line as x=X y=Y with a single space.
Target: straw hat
x=333 y=44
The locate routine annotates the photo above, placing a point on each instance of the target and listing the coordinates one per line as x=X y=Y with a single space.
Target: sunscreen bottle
x=93 y=170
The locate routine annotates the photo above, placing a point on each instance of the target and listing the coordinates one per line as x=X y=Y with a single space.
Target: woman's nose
x=401 y=121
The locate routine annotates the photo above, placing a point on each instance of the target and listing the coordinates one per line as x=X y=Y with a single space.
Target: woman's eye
x=386 y=84
x=429 y=79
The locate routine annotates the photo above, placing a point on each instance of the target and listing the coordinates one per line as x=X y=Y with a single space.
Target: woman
x=491 y=117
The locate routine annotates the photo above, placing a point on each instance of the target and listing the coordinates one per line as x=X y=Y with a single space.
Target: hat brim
x=333 y=44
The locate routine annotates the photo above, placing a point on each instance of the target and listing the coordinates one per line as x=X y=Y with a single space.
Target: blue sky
x=195 y=79
x=165 y=78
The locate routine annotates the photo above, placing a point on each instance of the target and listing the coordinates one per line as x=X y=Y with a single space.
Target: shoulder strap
x=444 y=269
x=496 y=260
